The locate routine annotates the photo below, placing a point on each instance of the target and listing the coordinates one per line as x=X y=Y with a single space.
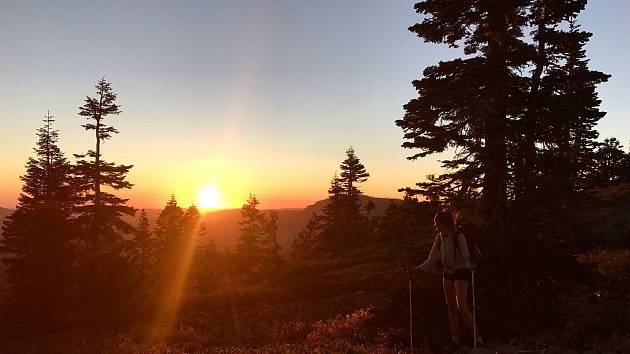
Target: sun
x=209 y=197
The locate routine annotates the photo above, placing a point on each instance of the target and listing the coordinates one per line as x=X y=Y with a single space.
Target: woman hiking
x=451 y=249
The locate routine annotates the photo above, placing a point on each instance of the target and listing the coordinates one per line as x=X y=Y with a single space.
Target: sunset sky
x=249 y=96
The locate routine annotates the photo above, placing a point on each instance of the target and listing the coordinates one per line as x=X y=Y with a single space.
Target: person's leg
x=461 y=294
x=451 y=303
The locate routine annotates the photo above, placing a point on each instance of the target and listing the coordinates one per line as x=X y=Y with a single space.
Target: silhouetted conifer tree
x=465 y=103
x=205 y=268
x=272 y=260
x=143 y=252
x=169 y=235
x=307 y=242
x=39 y=236
x=106 y=268
x=257 y=250
x=341 y=226
x=352 y=173
x=248 y=249
x=609 y=166
x=563 y=107
x=517 y=111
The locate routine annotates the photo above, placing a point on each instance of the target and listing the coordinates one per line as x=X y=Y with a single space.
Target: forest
x=516 y=114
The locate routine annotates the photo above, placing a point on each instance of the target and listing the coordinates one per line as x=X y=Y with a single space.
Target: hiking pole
x=474 y=311
x=410 y=319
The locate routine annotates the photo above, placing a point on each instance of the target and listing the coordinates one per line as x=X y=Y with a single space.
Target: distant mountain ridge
x=223 y=225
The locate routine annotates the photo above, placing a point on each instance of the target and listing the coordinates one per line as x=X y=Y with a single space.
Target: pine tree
x=248 y=244
x=341 y=226
x=201 y=270
x=464 y=103
x=609 y=166
x=345 y=211
x=272 y=260
x=169 y=237
x=257 y=248
x=562 y=109
x=143 y=253
x=248 y=247
x=352 y=172
x=105 y=264
x=38 y=237
x=205 y=268
x=307 y=243
x=102 y=211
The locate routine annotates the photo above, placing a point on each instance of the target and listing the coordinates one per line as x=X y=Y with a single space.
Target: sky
x=258 y=96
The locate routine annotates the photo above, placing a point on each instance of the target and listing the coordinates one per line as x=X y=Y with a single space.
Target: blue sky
x=253 y=96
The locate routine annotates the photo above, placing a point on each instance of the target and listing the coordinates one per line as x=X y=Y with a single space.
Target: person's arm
x=463 y=248
x=434 y=256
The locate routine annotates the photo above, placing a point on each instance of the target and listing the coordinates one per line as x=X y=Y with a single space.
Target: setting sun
x=209 y=197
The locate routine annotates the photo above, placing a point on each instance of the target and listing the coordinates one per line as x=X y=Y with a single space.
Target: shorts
x=458 y=274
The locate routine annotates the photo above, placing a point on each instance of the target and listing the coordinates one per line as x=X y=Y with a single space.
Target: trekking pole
x=410 y=315
x=474 y=311
x=410 y=319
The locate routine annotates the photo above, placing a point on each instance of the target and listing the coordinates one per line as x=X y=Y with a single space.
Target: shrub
x=598 y=314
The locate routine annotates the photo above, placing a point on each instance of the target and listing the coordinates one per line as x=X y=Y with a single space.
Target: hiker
x=456 y=274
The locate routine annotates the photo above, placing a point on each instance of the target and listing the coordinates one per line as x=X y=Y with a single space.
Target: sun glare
x=209 y=197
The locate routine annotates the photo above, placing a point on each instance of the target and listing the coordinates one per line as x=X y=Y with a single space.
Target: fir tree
x=341 y=226
x=464 y=103
x=559 y=126
x=143 y=252
x=271 y=258
x=38 y=237
x=352 y=173
x=105 y=262
x=169 y=237
x=257 y=249
x=102 y=211
x=307 y=243
x=248 y=247
x=344 y=214
x=609 y=166
x=205 y=267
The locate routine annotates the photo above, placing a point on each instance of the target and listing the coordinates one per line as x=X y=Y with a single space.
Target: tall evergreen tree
x=352 y=173
x=169 y=237
x=307 y=243
x=271 y=258
x=38 y=237
x=341 y=226
x=609 y=166
x=517 y=111
x=257 y=249
x=143 y=253
x=464 y=103
x=105 y=263
x=248 y=249
x=559 y=126
x=350 y=225
x=206 y=264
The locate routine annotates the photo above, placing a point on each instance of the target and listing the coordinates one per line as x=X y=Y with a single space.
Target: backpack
x=472 y=241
